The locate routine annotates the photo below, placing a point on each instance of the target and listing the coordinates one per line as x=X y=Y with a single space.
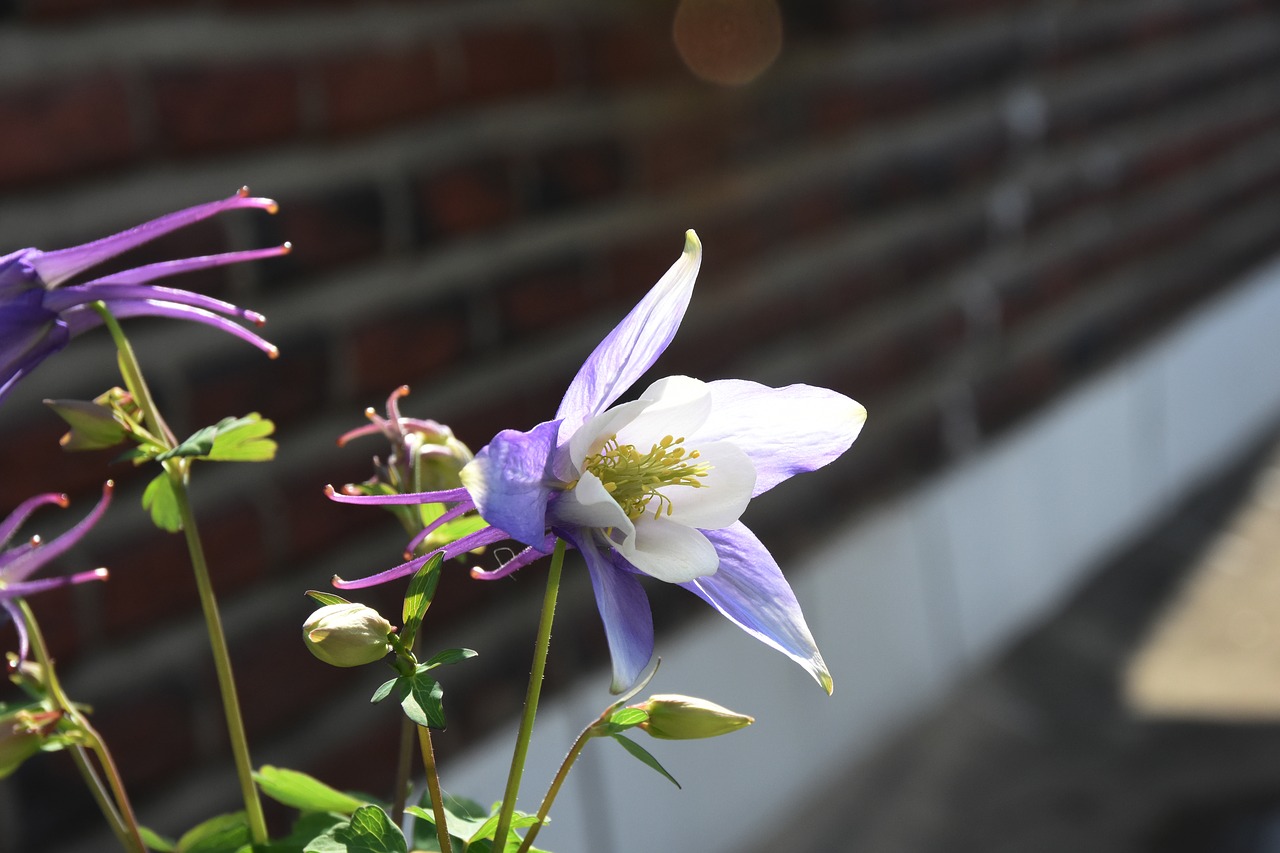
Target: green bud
x=347 y=634
x=22 y=733
x=676 y=717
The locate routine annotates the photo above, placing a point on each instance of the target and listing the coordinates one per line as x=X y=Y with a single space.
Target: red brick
x=339 y=227
x=66 y=10
x=285 y=390
x=578 y=173
x=545 y=300
x=411 y=346
x=503 y=63
x=205 y=110
x=688 y=150
x=151 y=735
x=64 y=128
x=313 y=523
x=466 y=198
x=151 y=578
x=631 y=53
x=34 y=462
x=370 y=90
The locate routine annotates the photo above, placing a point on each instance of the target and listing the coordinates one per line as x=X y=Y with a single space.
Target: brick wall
x=951 y=210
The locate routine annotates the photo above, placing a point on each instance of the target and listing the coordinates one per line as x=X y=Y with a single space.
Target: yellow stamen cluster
x=633 y=478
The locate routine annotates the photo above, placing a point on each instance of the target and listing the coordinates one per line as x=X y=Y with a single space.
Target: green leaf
x=383 y=691
x=243 y=440
x=226 y=833
x=155 y=841
x=93 y=426
x=626 y=718
x=306 y=830
x=302 y=792
x=368 y=831
x=463 y=816
x=162 y=503
x=199 y=444
x=326 y=598
x=639 y=752
x=421 y=698
x=422 y=588
x=446 y=658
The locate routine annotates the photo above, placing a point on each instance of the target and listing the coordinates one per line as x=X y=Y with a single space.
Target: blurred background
x=1038 y=239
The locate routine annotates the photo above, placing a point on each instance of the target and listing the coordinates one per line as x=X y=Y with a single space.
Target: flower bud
x=21 y=735
x=347 y=634
x=676 y=717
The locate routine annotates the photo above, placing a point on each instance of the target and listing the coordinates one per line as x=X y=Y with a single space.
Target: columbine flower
x=654 y=486
x=38 y=316
x=18 y=563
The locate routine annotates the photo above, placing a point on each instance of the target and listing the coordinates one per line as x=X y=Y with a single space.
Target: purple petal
x=519 y=561
x=58 y=266
x=785 y=431
x=14 y=520
x=510 y=481
x=16 y=615
x=749 y=590
x=81 y=318
x=624 y=609
x=26 y=588
x=20 y=569
x=447 y=496
x=119 y=294
x=470 y=542
x=634 y=345
x=150 y=272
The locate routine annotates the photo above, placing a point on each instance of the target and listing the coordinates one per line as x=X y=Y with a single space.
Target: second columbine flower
x=655 y=486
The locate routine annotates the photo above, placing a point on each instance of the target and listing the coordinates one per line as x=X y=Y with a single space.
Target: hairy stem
x=540 y=647
x=221 y=657
x=561 y=775
x=433 y=788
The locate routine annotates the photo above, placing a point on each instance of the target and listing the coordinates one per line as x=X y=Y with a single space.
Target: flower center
x=633 y=478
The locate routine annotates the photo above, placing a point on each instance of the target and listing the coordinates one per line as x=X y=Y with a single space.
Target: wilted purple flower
x=38 y=316
x=655 y=486
x=20 y=562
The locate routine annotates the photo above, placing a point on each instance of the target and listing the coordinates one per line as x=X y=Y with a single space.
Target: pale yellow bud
x=347 y=634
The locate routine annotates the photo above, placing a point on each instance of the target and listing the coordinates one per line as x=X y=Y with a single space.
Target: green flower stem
x=531 y=697
x=119 y=814
x=561 y=775
x=433 y=787
x=221 y=657
x=133 y=380
x=177 y=470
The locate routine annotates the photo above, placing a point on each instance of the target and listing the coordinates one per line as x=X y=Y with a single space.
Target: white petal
x=596 y=431
x=725 y=491
x=669 y=551
x=588 y=504
x=679 y=405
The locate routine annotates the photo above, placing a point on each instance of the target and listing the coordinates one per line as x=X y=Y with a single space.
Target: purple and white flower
x=19 y=563
x=655 y=486
x=40 y=314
